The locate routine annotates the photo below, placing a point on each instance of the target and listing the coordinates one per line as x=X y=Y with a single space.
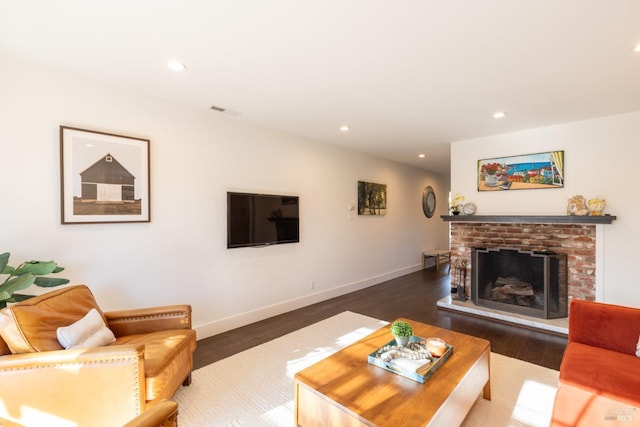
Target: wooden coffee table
x=345 y=390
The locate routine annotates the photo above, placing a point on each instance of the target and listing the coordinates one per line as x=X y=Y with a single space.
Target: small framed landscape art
x=523 y=172
x=372 y=198
x=104 y=178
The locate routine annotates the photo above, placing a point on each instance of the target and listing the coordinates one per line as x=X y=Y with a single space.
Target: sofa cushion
x=604 y=372
x=90 y=331
x=575 y=406
x=609 y=326
x=167 y=358
x=31 y=325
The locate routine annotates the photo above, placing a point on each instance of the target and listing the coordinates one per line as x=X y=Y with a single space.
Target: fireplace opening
x=527 y=282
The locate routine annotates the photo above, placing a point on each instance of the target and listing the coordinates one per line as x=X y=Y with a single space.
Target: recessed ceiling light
x=499 y=115
x=422 y=155
x=176 y=65
x=637 y=48
x=345 y=128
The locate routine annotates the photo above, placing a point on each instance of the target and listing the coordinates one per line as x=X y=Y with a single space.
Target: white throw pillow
x=638 y=348
x=90 y=331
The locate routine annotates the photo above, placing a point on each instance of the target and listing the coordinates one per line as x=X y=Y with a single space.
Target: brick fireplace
x=573 y=236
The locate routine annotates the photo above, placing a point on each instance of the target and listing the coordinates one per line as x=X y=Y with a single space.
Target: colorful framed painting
x=372 y=198
x=104 y=178
x=524 y=172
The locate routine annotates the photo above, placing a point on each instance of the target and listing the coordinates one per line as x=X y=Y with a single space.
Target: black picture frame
x=104 y=177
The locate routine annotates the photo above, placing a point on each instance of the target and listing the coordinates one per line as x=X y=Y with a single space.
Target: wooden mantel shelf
x=531 y=219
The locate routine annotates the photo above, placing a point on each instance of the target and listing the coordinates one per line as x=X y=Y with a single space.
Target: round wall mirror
x=428 y=202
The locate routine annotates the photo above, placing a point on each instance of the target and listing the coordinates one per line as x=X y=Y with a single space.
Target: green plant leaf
x=49 y=282
x=25 y=276
x=36 y=268
x=21 y=297
x=4 y=260
x=8 y=270
x=17 y=283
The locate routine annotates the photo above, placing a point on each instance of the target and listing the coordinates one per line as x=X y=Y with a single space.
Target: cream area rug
x=255 y=387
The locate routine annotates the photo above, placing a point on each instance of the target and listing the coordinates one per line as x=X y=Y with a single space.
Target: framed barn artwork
x=104 y=177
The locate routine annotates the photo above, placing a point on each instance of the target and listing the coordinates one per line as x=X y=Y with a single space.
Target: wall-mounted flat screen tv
x=261 y=219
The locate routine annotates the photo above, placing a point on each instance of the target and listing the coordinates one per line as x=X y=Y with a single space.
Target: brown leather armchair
x=45 y=384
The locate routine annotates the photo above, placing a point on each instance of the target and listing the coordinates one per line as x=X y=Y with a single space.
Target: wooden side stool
x=441 y=255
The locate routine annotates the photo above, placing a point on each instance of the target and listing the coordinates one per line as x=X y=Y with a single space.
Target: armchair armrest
x=145 y=320
x=44 y=388
x=163 y=414
x=608 y=326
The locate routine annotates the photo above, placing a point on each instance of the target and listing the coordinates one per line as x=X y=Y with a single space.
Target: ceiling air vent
x=225 y=111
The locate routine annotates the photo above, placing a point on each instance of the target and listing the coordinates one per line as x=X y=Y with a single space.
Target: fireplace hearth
x=533 y=283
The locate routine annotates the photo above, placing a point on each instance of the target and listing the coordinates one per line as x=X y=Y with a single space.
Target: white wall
x=196 y=157
x=601 y=160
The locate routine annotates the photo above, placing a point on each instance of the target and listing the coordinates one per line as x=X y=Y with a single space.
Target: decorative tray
x=412 y=361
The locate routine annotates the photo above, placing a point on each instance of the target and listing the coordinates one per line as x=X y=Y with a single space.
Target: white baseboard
x=248 y=317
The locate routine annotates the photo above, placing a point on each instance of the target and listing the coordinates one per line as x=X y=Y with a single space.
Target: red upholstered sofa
x=600 y=373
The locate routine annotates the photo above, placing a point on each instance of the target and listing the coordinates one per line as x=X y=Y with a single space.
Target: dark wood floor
x=413 y=296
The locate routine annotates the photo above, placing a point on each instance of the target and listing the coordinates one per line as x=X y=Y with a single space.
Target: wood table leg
x=486 y=391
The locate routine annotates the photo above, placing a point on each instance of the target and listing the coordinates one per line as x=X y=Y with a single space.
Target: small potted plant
x=401 y=331
x=456 y=204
